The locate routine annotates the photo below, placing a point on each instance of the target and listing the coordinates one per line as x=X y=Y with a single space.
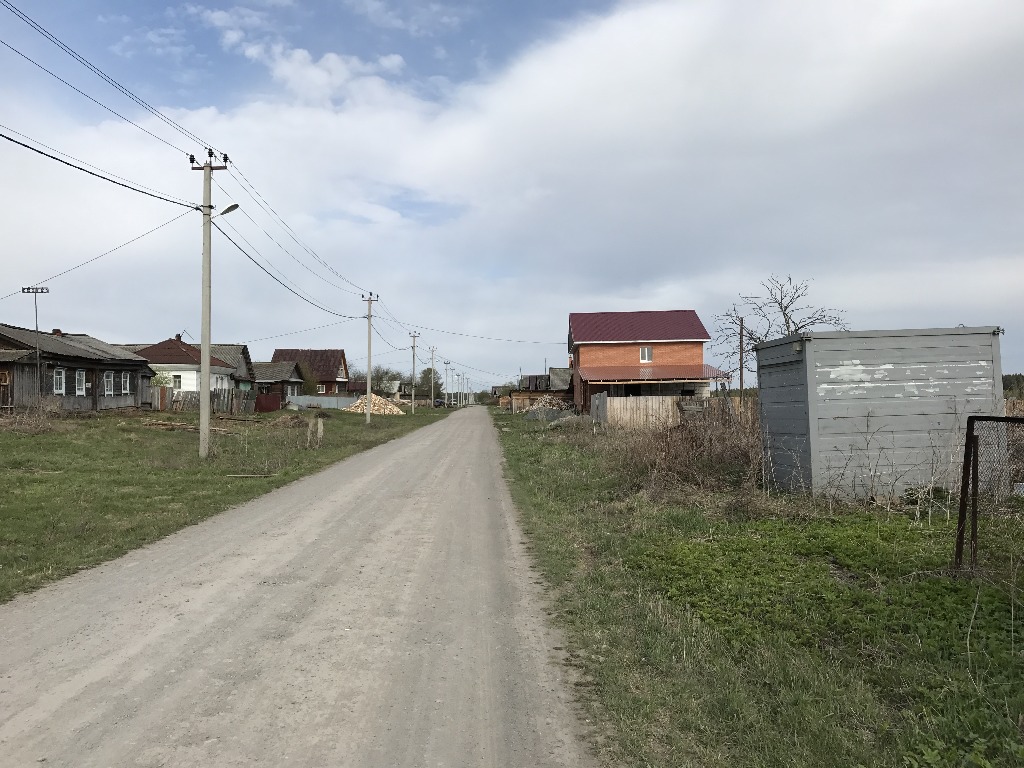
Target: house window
x=108 y=383
x=58 y=381
x=292 y=390
x=176 y=382
x=126 y=383
x=321 y=389
x=646 y=354
x=80 y=383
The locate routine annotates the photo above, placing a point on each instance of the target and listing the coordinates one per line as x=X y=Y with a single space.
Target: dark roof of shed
x=176 y=351
x=77 y=345
x=669 y=325
x=286 y=371
x=326 y=364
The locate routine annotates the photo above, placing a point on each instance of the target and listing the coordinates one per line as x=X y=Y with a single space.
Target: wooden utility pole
x=369 y=348
x=35 y=291
x=741 y=361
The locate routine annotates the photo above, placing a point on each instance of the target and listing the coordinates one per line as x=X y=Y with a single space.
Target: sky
x=488 y=168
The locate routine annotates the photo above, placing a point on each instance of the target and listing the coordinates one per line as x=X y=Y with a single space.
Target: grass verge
x=716 y=626
x=80 y=491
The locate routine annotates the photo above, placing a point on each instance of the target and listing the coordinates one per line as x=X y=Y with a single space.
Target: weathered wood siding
x=884 y=410
x=637 y=412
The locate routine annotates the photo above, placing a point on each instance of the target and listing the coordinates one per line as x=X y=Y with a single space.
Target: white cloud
x=665 y=155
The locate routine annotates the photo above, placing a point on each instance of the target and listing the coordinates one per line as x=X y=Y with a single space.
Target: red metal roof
x=670 y=325
x=176 y=352
x=598 y=373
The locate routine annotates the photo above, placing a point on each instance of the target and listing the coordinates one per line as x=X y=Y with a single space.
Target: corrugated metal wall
x=873 y=413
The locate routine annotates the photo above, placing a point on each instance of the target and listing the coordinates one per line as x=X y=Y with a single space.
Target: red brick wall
x=664 y=353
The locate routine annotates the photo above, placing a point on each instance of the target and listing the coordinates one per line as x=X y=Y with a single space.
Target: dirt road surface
x=379 y=614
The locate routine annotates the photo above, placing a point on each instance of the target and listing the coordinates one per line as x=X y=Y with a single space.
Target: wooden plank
x=895 y=389
x=848 y=346
x=906 y=406
x=918 y=372
x=908 y=356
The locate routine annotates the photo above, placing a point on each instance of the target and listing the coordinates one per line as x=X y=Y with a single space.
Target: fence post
x=965 y=487
x=974 y=502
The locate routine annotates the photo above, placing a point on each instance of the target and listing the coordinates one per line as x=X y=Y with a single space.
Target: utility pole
x=369 y=347
x=447 y=394
x=204 y=347
x=433 y=375
x=741 y=363
x=414 y=337
x=35 y=291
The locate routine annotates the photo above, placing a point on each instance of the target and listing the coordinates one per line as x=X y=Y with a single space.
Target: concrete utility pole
x=433 y=375
x=204 y=347
x=369 y=347
x=35 y=291
x=414 y=337
x=741 y=361
x=447 y=395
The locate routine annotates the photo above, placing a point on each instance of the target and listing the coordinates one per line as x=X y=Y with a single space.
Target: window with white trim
x=80 y=383
x=176 y=382
x=58 y=381
x=646 y=354
x=321 y=389
x=108 y=383
x=126 y=383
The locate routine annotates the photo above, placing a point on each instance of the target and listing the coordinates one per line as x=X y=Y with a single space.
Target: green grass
x=80 y=491
x=720 y=627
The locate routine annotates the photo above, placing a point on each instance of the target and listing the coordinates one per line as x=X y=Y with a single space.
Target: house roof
x=326 y=364
x=286 y=371
x=634 y=373
x=670 y=325
x=78 y=345
x=177 y=352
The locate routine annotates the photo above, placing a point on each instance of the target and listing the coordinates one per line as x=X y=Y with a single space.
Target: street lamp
x=35 y=291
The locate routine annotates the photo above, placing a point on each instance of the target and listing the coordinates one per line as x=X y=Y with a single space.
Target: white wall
x=220 y=378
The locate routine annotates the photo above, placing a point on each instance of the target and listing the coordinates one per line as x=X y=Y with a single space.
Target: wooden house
x=327 y=366
x=75 y=372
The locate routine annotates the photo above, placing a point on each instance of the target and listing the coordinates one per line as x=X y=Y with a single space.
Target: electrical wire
x=182 y=201
x=290 y=254
x=304 y=330
x=104 y=76
x=90 y=98
x=98 y=175
x=272 y=277
x=105 y=253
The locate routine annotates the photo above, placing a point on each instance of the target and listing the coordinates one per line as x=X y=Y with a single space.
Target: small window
x=108 y=383
x=321 y=389
x=80 y=383
x=58 y=381
x=126 y=383
x=176 y=382
x=646 y=354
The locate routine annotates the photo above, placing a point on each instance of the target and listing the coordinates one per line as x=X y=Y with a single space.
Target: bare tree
x=782 y=311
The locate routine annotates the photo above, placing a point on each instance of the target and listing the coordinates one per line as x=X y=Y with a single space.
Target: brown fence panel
x=267 y=403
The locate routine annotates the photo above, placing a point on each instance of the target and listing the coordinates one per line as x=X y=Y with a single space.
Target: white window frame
x=126 y=383
x=647 y=354
x=58 y=374
x=108 y=383
x=80 y=383
x=175 y=382
x=321 y=389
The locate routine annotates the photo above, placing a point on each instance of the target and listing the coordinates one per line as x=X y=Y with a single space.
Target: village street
x=380 y=613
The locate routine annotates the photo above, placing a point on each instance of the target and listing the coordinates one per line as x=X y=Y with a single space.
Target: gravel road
x=381 y=613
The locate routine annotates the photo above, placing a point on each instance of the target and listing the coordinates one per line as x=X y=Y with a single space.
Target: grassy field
x=716 y=626
x=79 y=491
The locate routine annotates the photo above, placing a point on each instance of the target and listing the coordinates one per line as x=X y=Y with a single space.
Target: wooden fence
x=222 y=400
x=659 y=412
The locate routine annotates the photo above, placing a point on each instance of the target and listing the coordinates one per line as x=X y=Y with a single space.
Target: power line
x=98 y=175
x=106 y=253
x=90 y=98
x=272 y=277
x=304 y=330
x=104 y=76
x=182 y=201
x=486 y=338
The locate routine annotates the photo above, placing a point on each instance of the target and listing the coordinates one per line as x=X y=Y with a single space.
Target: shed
x=874 y=413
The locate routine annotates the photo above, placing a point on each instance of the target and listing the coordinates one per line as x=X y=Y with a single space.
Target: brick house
x=639 y=354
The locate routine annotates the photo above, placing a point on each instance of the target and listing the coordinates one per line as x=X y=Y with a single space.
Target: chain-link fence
x=992 y=483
